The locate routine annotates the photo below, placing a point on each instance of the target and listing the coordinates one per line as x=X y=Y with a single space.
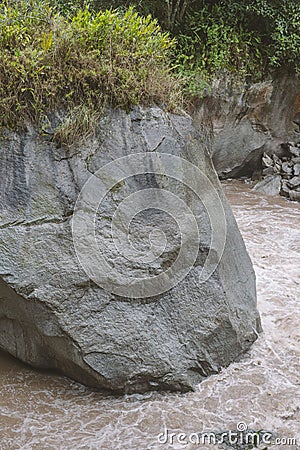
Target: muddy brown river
x=44 y=411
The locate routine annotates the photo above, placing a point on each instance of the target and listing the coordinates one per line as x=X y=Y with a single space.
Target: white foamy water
x=44 y=411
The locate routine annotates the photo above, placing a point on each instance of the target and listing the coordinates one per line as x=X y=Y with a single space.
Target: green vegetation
x=60 y=55
x=268 y=31
x=52 y=62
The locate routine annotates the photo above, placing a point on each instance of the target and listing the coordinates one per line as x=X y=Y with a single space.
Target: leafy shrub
x=211 y=45
x=247 y=39
x=50 y=62
x=278 y=23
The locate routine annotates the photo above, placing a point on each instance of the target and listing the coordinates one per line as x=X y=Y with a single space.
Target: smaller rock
x=294 y=151
x=297 y=169
x=286 y=167
x=294 y=182
x=281 y=175
x=295 y=195
x=267 y=161
x=277 y=168
x=285 y=190
x=271 y=185
x=276 y=163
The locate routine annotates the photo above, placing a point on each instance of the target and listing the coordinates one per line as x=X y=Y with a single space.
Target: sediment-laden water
x=43 y=411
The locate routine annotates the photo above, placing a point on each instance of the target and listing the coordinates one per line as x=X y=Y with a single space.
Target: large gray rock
x=247 y=121
x=52 y=315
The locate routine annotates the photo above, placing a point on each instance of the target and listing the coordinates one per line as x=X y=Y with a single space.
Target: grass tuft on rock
x=50 y=62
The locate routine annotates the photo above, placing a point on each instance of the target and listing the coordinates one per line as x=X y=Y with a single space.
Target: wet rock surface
x=53 y=316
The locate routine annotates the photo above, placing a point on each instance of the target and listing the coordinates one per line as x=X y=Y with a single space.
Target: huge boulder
x=55 y=315
x=246 y=121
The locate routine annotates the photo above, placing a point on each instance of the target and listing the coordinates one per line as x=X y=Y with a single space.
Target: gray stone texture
x=246 y=121
x=53 y=316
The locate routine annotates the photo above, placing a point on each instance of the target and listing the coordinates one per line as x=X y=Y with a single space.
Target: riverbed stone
x=294 y=182
x=270 y=185
x=295 y=151
x=53 y=316
x=295 y=195
x=297 y=169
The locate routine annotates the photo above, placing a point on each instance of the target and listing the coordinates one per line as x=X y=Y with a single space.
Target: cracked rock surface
x=53 y=316
x=247 y=121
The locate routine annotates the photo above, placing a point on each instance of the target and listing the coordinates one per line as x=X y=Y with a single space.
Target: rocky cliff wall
x=245 y=122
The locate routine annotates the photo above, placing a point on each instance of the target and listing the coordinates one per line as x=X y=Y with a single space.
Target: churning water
x=43 y=411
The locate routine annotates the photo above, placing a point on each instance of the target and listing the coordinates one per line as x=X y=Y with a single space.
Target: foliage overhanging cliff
x=50 y=61
x=250 y=38
x=80 y=57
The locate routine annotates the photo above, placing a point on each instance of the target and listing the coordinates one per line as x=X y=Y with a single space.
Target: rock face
x=53 y=316
x=248 y=121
